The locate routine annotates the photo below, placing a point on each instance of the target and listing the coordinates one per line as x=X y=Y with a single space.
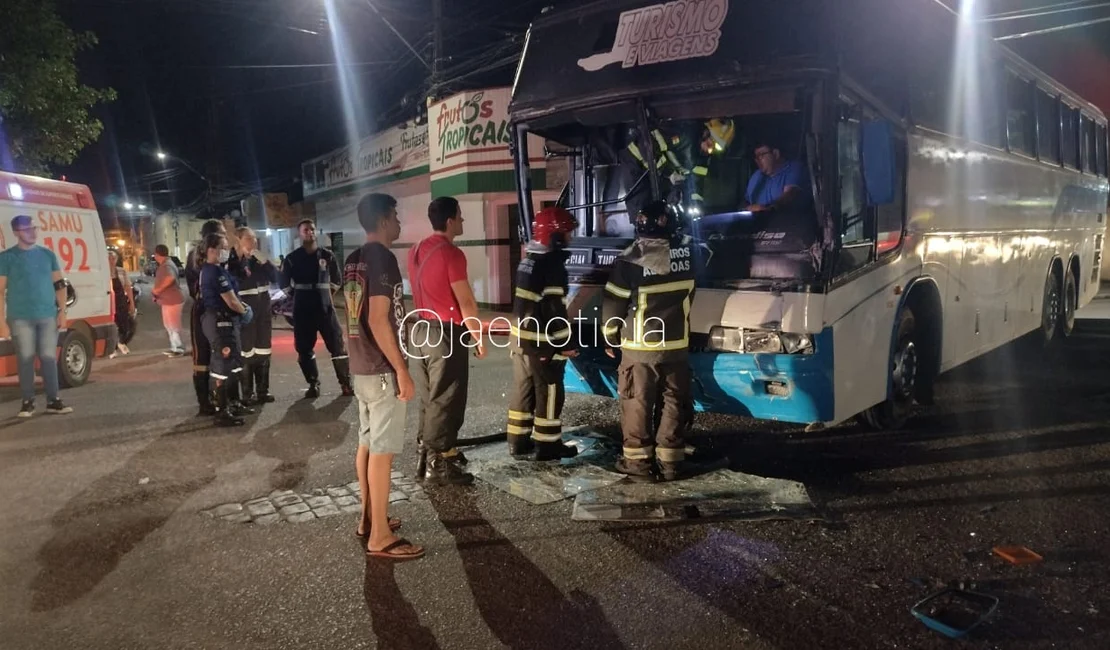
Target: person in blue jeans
x=32 y=311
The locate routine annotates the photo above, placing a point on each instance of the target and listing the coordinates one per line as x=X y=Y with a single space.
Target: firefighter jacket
x=541 y=326
x=312 y=277
x=254 y=278
x=677 y=157
x=646 y=303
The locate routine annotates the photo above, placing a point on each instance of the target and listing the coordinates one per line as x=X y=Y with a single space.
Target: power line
x=1040 y=8
x=1046 y=12
x=385 y=20
x=1049 y=30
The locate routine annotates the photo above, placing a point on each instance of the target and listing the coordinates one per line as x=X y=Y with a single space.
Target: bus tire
x=1068 y=303
x=75 y=361
x=905 y=363
x=1050 y=307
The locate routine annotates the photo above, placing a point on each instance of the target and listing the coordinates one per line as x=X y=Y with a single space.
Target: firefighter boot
x=204 y=398
x=343 y=374
x=673 y=471
x=235 y=405
x=637 y=471
x=311 y=375
x=554 y=451
x=520 y=445
x=443 y=471
x=262 y=380
x=224 y=416
x=247 y=381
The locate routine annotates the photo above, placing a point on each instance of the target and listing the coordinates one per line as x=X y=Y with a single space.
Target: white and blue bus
x=955 y=196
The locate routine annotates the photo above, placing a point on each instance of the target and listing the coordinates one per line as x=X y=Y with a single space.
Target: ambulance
x=68 y=225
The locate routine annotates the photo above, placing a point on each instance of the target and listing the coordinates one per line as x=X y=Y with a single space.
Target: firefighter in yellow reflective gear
x=683 y=158
x=646 y=313
x=544 y=340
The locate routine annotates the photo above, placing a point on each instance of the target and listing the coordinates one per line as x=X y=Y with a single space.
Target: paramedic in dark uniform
x=544 y=340
x=201 y=352
x=311 y=274
x=223 y=317
x=254 y=277
x=645 y=312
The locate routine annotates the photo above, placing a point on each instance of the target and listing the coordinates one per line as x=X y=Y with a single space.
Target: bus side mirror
x=878 y=162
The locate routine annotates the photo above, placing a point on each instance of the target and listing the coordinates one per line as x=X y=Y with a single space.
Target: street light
x=142 y=207
x=161 y=155
x=128 y=206
x=121 y=242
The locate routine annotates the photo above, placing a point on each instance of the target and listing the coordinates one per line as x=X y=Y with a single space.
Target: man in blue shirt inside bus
x=778 y=181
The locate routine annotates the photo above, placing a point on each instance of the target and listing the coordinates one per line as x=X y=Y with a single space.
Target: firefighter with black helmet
x=544 y=340
x=311 y=274
x=646 y=313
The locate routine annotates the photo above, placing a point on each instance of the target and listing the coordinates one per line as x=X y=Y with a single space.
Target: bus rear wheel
x=1052 y=310
x=905 y=367
x=1068 y=304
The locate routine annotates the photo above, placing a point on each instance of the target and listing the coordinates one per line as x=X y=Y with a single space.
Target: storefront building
x=463 y=152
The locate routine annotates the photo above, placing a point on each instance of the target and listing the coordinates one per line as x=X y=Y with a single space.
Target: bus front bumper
x=782 y=387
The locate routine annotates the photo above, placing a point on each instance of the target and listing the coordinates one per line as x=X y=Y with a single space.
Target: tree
x=44 y=109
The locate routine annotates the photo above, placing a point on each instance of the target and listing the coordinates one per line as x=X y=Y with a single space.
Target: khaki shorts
x=381 y=415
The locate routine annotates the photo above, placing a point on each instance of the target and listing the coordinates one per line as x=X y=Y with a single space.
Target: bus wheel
x=1051 y=309
x=905 y=365
x=75 y=363
x=1068 y=304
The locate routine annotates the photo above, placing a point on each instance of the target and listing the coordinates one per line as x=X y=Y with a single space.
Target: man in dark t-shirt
x=374 y=292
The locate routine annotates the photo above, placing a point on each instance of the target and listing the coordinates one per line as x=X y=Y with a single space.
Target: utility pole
x=437 y=45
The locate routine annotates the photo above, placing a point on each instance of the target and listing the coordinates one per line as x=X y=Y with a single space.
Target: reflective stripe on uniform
x=670 y=455
x=639 y=453
x=314 y=286
x=546 y=437
x=224 y=323
x=344 y=356
x=263 y=351
x=528 y=295
x=619 y=292
x=554 y=291
x=516 y=430
x=639 y=320
x=539 y=338
x=215 y=376
x=257 y=291
x=701 y=171
x=520 y=415
x=247 y=354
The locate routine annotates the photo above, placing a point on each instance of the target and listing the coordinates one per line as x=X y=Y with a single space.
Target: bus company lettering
x=671 y=31
x=50 y=221
x=469 y=123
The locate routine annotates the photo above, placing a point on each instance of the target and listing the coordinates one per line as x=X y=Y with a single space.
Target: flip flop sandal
x=394 y=526
x=386 y=554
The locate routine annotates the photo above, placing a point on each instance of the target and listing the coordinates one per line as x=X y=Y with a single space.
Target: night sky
x=182 y=70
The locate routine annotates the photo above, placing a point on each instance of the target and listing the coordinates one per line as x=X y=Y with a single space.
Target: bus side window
x=856 y=219
x=890 y=218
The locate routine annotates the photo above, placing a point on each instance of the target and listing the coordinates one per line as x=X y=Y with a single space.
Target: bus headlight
x=797 y=343
x=725 y=339
x=762 y=342
x=732 y=339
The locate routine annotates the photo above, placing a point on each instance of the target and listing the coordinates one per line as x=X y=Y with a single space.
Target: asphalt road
x=103 y=544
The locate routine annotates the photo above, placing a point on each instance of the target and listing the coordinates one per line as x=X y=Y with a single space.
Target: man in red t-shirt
x=446 y=329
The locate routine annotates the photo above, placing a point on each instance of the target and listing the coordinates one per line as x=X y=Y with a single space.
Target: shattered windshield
x=739 y=182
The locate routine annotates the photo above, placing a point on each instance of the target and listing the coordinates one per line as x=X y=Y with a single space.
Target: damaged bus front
x=686 y=101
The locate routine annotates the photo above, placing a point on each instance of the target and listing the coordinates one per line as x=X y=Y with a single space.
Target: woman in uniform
x=224 y=315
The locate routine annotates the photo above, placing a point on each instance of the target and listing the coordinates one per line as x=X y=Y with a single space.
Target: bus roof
x=619 y=49
x=45 y=191
x=614 y=50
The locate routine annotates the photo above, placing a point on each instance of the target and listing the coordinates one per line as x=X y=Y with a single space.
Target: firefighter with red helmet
x=543 y=338
x=646 y=313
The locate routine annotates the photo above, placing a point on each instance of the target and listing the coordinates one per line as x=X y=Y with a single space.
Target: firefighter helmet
x=721 y=132
x=550 y=223
x=656 y=219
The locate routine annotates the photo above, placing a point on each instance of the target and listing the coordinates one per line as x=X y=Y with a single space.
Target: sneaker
x=174 y=353
x=27 y=410
x=58 y=408
x=123 y=349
